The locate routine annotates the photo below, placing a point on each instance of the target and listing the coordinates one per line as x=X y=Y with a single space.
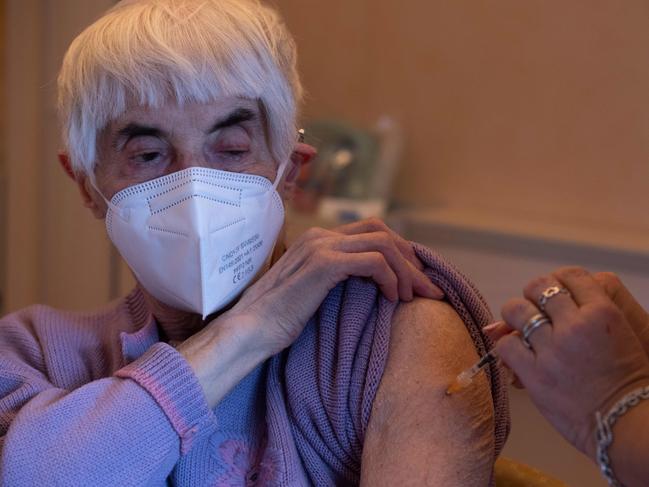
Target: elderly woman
x=235 y=361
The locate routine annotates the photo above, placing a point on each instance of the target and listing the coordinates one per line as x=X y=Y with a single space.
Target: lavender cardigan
x=96 y=399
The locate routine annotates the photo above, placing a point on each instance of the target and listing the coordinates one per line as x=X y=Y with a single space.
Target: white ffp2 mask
x=196 y=238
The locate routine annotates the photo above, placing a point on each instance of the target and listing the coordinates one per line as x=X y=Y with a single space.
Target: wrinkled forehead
x=208 y=116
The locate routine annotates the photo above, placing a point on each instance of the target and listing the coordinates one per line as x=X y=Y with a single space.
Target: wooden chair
x=510 y=473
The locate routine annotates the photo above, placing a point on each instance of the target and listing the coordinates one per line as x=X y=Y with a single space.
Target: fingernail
x=392 y=297
x=493 y=326
x=416 y=263
x=435 y=292
x=407 y=296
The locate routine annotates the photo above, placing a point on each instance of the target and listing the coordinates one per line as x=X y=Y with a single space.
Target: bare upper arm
x=417 y=435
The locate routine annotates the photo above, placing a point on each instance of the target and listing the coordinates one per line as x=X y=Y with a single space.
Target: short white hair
x=151 y=52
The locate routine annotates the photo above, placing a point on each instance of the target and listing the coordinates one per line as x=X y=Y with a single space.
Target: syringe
x=465 y=378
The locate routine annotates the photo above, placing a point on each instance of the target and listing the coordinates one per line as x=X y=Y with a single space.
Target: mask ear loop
x=284 y=164
x=280 y=173
x=123 y=213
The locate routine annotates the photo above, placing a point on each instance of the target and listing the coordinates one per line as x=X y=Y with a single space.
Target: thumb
x=515 y=357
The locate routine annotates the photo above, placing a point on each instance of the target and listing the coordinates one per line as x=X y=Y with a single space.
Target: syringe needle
x=465 y=378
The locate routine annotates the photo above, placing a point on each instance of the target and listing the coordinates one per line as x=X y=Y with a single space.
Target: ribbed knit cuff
x=167 y=376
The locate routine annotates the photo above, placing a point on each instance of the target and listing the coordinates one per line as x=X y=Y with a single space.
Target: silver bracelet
x=605 y=431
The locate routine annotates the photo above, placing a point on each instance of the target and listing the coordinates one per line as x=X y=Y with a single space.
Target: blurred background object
x=520 y=132
x=351 y=177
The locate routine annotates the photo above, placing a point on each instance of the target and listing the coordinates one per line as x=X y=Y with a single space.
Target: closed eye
x=148 y=156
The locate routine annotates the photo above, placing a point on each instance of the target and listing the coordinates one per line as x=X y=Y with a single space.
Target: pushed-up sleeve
x=323 y=388
x=127 y=429
x=330 y=378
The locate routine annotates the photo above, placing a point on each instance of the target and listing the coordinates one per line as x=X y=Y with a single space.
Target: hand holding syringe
x=495 y=331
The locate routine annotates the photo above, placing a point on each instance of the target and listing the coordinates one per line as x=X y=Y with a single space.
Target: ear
x=301 y=156
x=64 y=159
x=91 y=199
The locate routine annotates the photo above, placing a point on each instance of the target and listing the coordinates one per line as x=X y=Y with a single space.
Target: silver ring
x=549 y=293
x=532 y=325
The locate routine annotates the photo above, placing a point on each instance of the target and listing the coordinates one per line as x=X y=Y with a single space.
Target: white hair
x=151 y=52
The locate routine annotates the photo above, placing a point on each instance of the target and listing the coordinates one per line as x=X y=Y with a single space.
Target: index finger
x=370 y=225
x=582 y=285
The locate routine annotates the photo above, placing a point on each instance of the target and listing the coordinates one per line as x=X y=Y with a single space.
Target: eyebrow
x=236 y=117
x=132 y=130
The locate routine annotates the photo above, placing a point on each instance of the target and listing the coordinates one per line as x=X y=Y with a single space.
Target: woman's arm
x=127 y=429
x=628 y=452
x=417 y=435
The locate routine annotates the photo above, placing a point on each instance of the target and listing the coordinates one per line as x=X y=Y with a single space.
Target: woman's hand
x=588 y=358
x=635 y=314
x=272 y=312
x=281 y=302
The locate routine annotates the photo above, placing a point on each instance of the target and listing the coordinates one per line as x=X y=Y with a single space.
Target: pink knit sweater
x=95 y=399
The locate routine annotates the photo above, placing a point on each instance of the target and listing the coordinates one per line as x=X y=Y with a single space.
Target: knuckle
x=313 y=246
x=384 y=242
x=515 y=309
x=376 y=223
x=604 y=312
x=571 y=271
x=313 y=233
x=377 y=259
x=609 y=280
x=380 y=264
x=609 y=277
x=537 y=285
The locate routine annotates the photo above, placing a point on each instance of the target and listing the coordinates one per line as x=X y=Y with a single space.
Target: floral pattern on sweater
x=244 y=465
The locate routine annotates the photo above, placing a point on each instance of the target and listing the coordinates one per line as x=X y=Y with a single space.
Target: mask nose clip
x=123 y=213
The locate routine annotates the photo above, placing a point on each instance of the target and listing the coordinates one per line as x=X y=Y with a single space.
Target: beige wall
x=533 y=108
x=56 y=253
